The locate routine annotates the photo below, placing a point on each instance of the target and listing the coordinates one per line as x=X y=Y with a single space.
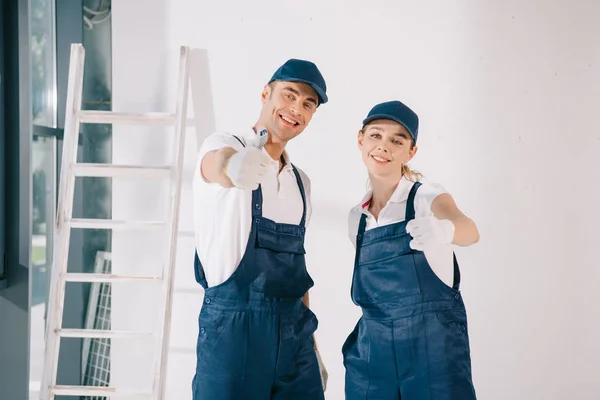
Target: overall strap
x=410 y=203
x=302 y=193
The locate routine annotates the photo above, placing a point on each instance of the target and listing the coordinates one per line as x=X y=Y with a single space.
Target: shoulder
x=429 y=190
x=356 y=211
x=220 y=139
x=354 y=218
x=353 y=222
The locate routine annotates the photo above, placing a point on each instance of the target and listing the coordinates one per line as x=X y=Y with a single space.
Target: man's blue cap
x=398 y=112
x=295 y=70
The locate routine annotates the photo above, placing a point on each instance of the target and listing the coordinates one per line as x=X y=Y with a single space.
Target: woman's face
x=385 y=145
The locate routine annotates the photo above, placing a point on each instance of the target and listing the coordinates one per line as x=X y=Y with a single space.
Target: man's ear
x=266 y=94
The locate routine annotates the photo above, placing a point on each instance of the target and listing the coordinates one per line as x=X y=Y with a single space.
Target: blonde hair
x=411 y=175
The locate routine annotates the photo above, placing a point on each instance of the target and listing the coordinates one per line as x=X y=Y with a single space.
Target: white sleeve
x=425 y=196
x=216 y=141
x=220 y=216
x=353 y=222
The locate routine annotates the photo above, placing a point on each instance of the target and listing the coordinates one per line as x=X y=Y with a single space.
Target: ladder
x=70 y=169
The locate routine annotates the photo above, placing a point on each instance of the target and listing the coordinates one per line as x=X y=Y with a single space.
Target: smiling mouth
x=380 y=160
x=289 y=121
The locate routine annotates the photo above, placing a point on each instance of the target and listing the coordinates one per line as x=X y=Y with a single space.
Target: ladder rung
x=186 y=234
x=111 y=117
x=94 y=391
x=105 y=334
x=120 y=171
x=188 y=290
x=79 y=277
x=89 y=223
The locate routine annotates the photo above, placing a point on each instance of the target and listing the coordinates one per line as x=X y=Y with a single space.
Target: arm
x=465 y=230
x=212 y=167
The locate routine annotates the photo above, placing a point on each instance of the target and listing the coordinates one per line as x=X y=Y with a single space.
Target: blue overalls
x=411 y=342
x=255 y=334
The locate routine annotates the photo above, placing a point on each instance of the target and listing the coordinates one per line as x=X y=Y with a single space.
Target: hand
x=430 y=232
x=247 y=167
x=323 y=370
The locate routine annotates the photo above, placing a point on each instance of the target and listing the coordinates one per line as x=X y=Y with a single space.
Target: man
x=251 y=208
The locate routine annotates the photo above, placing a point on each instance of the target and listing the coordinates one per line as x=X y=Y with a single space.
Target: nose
x=294 y=108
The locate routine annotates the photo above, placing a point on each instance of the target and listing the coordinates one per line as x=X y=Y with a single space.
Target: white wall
x=506 y=95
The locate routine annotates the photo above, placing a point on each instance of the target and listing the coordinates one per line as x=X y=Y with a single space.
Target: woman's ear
x=412 y=152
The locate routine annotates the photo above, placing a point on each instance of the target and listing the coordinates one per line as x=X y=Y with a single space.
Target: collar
x=398 y=196
x=249 y=134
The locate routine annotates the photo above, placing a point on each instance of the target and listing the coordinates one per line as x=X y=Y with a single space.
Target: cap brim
x=372 y=118
x=322 y=96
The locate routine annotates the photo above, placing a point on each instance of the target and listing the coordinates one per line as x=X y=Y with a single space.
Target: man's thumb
x=260 y=139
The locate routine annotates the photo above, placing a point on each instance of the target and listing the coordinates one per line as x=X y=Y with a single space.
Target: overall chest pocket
x=385 y=270
x=280 y=267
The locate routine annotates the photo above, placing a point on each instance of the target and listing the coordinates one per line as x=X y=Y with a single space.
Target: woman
x=411 y=342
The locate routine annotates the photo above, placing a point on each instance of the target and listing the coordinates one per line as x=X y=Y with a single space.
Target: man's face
x=287 y=109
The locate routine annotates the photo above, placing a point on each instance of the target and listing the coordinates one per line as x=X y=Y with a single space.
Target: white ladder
x=64 y=223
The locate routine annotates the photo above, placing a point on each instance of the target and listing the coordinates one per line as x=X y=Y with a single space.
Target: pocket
x=350 y=340
x=281 y=242
x=211 y=324
x=454 y=327
x=385 y=248
x=303 y=322
x=280 y=275
x=386 y=279
x=448 y=353
x=356 y=352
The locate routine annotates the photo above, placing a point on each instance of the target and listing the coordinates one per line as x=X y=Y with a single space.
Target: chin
x=381 y=168
x=382 y=171
x=281 y=137
x=286 y=134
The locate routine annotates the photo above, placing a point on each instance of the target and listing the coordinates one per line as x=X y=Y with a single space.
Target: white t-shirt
x=223 y=216
x=441 y=260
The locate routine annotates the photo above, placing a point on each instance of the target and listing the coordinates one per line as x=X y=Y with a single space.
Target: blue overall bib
x=255 y=334
x=411 y=342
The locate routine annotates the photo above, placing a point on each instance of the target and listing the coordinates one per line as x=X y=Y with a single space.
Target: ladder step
x=95 y=391
x=186 y=234
x=188 y=290
x=79 y=277
x=120 y=171
x=105 y=334
x=111 y=117
x=89 y=223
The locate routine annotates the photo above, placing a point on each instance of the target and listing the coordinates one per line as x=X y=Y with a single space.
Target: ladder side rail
x=64 y=212
x=163 y=339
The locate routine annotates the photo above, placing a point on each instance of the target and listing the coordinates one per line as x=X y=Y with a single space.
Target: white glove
x=324 y=374
x=246 y=168
x=430 y=232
